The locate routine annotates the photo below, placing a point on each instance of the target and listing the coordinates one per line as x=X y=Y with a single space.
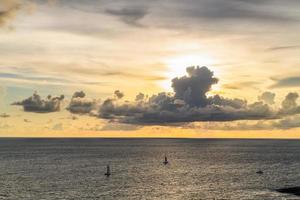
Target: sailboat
x=107 y=171
x=166 y=160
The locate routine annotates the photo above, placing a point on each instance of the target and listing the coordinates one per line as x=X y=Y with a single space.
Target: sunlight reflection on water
x=198 y=169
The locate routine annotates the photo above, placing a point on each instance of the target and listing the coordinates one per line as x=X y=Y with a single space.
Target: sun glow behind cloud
x=176 y=66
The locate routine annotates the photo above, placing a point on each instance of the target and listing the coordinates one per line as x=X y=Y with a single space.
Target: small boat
x=107 y=171
x=259 y=172
x=166 y=160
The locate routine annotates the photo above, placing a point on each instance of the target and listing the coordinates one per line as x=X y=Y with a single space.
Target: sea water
x=198 y=168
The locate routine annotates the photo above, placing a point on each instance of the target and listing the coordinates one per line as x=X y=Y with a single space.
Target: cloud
x=293 y=81
x=289 y=105
x=74 y=117
x=81 y=105
x=4 y=126
x=232 y=9
x=188 y=103
x=191 y=12
x=36 y=104
x=280 y=48
x=57 y=127
x=233 y=126
x=79 y=94
x=163 y=110
x=193 y=88
x=39 y=79
x=290 y=101
x=8 y=10
x=110 y=107
x=119 y=127
x=288 y=123
x=190 y=15
x=140 y=97
x=221 y=101
x=130 y=16
x=4 y=115
x=119 y=94
x=27 y=120
x=228 y=14
x=241 y=85
x=2 y=91
x=267 y=97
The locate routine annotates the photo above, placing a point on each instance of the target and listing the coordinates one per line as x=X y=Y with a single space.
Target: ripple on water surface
x=197 y=169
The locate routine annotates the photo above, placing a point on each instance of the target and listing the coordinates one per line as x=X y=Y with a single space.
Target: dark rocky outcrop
x=290 y=190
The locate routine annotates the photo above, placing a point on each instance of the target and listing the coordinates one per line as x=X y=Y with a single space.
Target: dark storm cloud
x=36 y=104
x=293 y=81
x=81 y=105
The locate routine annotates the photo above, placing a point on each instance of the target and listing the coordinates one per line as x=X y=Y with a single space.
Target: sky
x=150 y=68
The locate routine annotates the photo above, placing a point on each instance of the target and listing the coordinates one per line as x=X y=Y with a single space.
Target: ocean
x=198 y=168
